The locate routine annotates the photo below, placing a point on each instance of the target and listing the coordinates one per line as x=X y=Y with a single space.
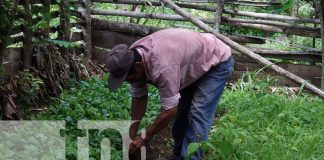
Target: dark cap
x=119 y=61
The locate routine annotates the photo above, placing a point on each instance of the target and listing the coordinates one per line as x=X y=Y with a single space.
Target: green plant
x=6 y=16
x=271 y=126
x=29 y=87
x=306 y=10
x=91 y=100
x=283 y=7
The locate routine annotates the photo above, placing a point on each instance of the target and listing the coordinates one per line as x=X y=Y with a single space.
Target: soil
x=160 y=146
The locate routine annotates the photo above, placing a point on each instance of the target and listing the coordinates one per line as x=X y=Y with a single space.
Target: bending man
x=189 y=69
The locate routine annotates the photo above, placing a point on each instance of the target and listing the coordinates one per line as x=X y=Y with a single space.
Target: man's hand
x=135 y=146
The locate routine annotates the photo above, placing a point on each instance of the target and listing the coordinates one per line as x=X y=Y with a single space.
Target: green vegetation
x=259 y=123
x=91 y=100
x=255 y=122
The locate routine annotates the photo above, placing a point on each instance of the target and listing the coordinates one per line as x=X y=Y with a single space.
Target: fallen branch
x=244 y=50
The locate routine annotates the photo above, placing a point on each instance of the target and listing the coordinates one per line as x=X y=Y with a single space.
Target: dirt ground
x=160 y=146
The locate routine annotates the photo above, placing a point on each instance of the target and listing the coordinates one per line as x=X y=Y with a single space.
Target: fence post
x=86 y=14
x=64 y=29
x=218 y=14
x=28 y=34
x=47 y=6
x=321 y=15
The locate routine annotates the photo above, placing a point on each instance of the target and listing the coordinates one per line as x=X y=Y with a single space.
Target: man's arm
x=138 y=108
x=160 y=122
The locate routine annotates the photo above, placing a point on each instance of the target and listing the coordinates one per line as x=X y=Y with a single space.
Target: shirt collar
x=141 y=51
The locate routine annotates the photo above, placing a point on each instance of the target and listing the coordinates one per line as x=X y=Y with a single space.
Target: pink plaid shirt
x=175 y=58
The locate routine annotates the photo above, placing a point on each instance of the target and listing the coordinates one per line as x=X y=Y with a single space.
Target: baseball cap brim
x=116 y=82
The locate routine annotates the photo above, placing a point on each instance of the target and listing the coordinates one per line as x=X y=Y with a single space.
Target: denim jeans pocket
x=230 y=65
x=226 y=67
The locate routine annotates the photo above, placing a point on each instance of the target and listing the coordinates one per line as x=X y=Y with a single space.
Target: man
x=188 y=68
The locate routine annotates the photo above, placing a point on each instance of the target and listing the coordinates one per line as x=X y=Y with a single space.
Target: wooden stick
x=28 y=35
x=225 y=19
x=64 y=31
x=244 y=50
x=267 y=28
x=87 y=29
x=135 y=29
x=120 y=27
x=271 y=16
x=255 y=4
x=291 y=55
x=246 y=39
x=155 y=3
x=274 y=23
x=218 y=14
x=212 y=9
x=321 y=14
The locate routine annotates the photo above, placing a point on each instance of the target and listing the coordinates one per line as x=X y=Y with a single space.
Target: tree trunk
x=245 y=50
x=321 y=15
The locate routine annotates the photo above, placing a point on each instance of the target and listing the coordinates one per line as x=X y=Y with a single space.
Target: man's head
x=124 y=64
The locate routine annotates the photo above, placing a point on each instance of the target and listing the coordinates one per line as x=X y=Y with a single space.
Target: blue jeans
x=197 y=109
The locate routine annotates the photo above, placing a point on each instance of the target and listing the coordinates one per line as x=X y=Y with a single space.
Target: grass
x=259 y=124
x=255 y=123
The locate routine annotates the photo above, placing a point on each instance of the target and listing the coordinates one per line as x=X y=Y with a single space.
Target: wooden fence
x=100 y=35
x=15 y=59
x=107 y=33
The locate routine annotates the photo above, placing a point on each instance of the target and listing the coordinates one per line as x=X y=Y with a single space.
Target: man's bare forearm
x=138 y=108
x=160 y=122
